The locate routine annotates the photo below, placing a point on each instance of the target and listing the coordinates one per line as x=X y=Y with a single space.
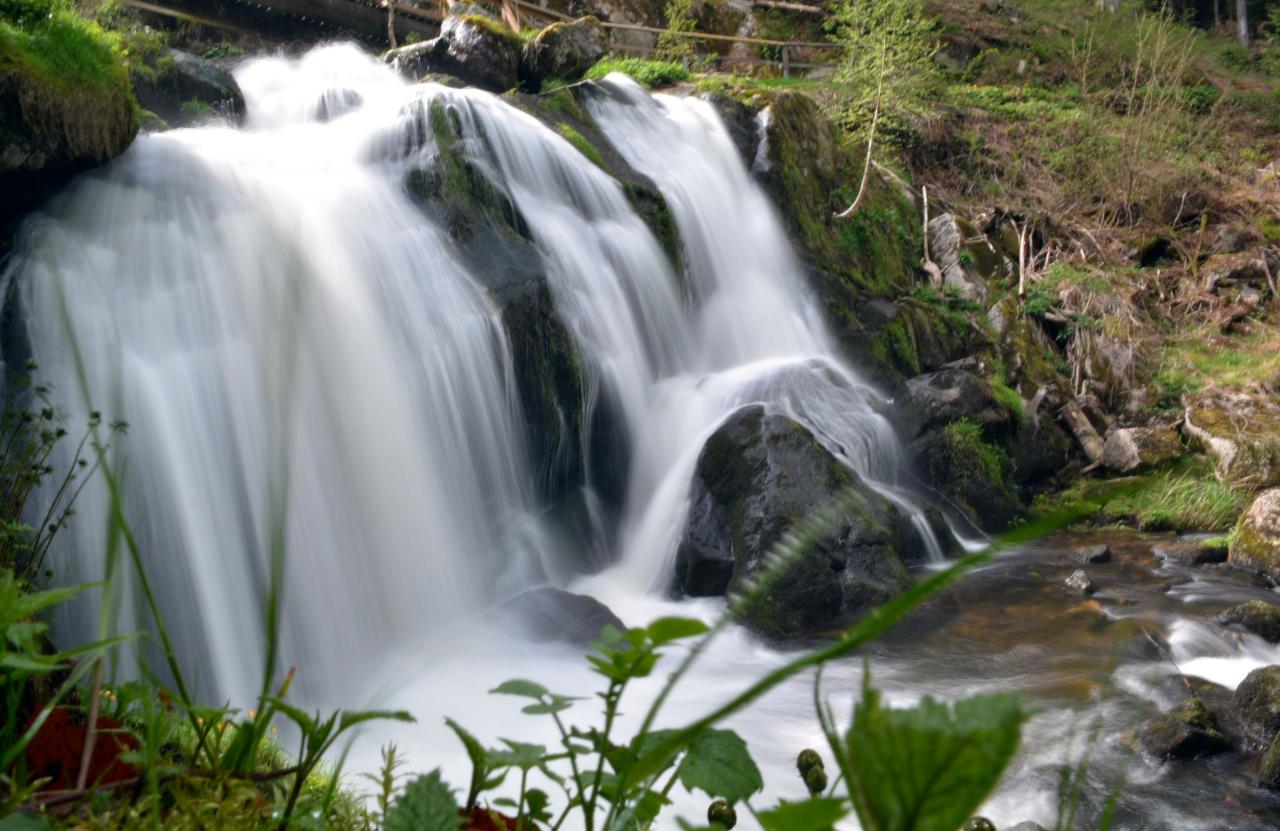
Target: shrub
x=647 y=73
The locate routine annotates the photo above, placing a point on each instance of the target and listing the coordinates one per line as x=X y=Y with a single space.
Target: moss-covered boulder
x=1128 y=449
x=184 y=89
x=1257 y=704
x=1269 y=771
x=757 y=476
x=1185 y=731
x=564 y=51
x=1240 y=433
x=1256 y=616
x=1256 y=542
x=65 y=100
x=473 y=47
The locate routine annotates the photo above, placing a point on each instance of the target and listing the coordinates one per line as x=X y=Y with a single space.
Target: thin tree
x=886 y=67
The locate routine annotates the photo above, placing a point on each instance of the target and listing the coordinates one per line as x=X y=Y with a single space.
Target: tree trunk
x=1242 y=22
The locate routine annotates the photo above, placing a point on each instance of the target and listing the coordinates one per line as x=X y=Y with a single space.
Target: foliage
x=673 y=44
x=648 y=74
x=580 y=143
x=887 y=55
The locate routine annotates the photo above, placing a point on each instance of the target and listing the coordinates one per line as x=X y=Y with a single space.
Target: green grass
x=1184 y=496
x=648 y=74
x=49 y=40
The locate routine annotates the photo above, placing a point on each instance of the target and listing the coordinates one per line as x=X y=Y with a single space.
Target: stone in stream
x=979 y=824
x=1269 y=772
x=1080 y=583
x=548 y=614
x=1185 y=731
x=563 y=51
x=1026 y=826
x=1093 y=554
x=760 y=474
x=473 y=47
x=1256 y=616
x=1190 y=552
x=184 y=89
x=1257 y=703
x=1256 y=543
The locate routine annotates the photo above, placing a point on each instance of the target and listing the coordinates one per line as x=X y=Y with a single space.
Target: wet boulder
x=1093 y=554
x=759 y=475
x=473 y=47
x=1256 y=542
x=1240 y=433
x=1128 y=449
x=548 y=614
x=1257 y=704
x=1269 y=772
x=949 y=249
x=1256 y=616
x=936 y=399
x=564 y=51
x=1185 y=731
x=184 y=89
x=1190 y=552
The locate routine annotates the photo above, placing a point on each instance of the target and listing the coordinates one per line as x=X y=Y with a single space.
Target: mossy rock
x=757 y=476
x=1187 y=730
x=65 y=101
x=183 y=89
x=1240 y=433
x=1257 y=704
x=476 y=48
x=1256 y=616
x=1256 y=542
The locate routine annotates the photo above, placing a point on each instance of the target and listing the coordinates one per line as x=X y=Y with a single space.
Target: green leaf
x=24 y=822
x=426 y=804
x=928 y=768
x=557 y=704
x=518 y=755
x=811 y=815
x=536 y=803
x=667 y=629
x=350 y=719
x=479 y=760
x=520 y=687
x=719 y=764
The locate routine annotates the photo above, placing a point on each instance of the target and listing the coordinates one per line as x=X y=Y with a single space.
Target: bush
x=648 y=74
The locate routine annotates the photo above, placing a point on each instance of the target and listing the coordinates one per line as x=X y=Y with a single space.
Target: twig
x=871 y=137
x=91 y=730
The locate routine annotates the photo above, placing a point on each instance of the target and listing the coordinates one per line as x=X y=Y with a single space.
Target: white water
x=278 y=323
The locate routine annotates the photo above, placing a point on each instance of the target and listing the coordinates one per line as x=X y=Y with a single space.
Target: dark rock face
x=1185 y=731
x=563 y=50
x=475 y=48
x=1190 y=552
x=757 y=476
x=1256 y=616
x=548 y=614
x=1257 y=703
x=953 y=428
x=184 y=89
x=1269 y=772
x=937 y=399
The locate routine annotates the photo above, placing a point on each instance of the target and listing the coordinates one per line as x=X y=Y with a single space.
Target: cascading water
x=297 y=347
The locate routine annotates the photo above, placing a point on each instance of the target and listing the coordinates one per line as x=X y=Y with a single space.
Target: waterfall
x=296 y=346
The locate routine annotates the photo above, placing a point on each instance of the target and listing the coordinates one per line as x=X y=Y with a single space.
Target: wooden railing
x=370 y=20
x=521 y=10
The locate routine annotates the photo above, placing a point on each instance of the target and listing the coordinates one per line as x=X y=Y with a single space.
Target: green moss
x=194 y=108
x=966 y=446
x=68 y=78
x=580 y=142
x=1183 y=496
x=648 y=74
x=491 y=26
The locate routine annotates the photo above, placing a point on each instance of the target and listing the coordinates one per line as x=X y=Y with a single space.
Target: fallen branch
x=871 y=137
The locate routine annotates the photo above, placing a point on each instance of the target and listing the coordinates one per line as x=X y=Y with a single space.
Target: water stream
x=299 y=351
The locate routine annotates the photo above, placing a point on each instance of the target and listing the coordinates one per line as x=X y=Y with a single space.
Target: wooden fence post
x=786 y=62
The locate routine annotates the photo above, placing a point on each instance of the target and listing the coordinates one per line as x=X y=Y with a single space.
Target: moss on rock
x=65 y=100
x=1255 y=544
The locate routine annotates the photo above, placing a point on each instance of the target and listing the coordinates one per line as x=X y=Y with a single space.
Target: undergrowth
x=647 y=73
